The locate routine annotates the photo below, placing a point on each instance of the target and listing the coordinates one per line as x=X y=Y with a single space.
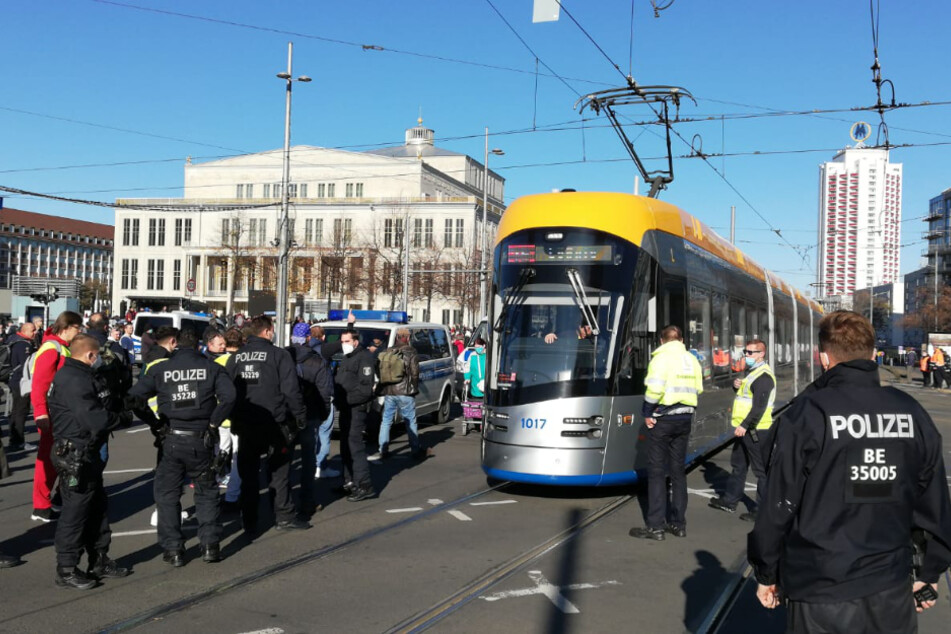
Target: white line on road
x=412 y=509
x=552 y=592
x=270 y=630
x=434 y=501
x=704 y=493
x=491 y=503
x=128 y=471
x=150 y=531
x=137 y=430
x=459 y=515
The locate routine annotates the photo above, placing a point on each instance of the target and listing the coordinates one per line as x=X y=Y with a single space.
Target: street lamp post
x=483 y=287
x=283 y=239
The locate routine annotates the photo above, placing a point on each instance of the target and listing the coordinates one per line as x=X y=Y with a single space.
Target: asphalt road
x=440 y=549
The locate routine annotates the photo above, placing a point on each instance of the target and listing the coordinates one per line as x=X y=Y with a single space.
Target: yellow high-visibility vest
x=744 y=398
x=673 y=377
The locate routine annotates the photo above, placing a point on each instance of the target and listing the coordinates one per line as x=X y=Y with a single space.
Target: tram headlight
x=594 y=433
x=597 y=420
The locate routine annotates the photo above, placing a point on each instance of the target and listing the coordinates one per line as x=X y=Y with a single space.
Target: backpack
x=391 y=367
x=26 y=381
x=6 y=367
x=310 y=392
x=116 y=374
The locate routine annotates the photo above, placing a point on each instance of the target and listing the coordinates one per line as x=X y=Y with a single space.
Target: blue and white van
x=181 y=319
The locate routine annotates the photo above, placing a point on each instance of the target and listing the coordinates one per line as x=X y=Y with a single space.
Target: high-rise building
x=859 y=221
x=938 y=236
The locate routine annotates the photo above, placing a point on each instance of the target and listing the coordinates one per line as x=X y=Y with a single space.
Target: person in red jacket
x=49 y=358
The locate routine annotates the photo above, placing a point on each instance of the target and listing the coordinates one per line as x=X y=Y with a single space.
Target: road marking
x=550 y=591
x=150 y=531
x=270 y=630
x=491 y=503
x=135 y=431
x=459 y=515
x=412 y=509
x=128 y=471
x=434 y=501
x=711 y=493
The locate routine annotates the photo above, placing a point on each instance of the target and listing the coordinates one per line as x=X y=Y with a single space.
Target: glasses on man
x=749 y=352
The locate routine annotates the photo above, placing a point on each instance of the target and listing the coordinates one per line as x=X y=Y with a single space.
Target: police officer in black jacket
x=268 y=415
x=21 y=347
x=855 y=468
x=353 y=391
x=81 y=422
x=194 y=396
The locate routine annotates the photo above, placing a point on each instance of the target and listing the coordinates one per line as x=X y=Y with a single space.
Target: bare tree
x=235 y=247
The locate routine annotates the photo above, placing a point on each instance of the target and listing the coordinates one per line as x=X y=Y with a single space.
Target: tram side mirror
x=652 y=314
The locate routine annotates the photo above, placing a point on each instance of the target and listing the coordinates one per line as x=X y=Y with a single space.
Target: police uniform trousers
x=83 y=522
x=747 y=454
x=264 y=437
x=890 y=611
x=666 y=453
x=185 y=456
x=353 y=449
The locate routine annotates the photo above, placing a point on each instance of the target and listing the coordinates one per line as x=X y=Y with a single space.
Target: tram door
x=673 y=305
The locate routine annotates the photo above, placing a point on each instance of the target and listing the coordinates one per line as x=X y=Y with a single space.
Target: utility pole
x=483 y=261
x=283 y=239
x=405 y=243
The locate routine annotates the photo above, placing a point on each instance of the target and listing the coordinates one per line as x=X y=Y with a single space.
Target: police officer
x=855 y=468
x=194 y=396
x=81 y=422
x=674 y=380
x=267 y=418
x=353 y=391
x=752 y=416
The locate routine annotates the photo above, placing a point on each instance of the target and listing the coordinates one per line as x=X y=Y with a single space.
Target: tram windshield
x=557 y=320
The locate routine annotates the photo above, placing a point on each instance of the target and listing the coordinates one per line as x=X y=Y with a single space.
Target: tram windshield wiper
x=574 y=278
x=526 y=274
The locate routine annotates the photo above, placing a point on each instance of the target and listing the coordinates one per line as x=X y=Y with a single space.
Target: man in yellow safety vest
x=752 y=413
x=674 y=380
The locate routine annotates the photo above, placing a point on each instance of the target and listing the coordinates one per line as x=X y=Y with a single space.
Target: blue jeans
x=407 y=407
x=323 y=439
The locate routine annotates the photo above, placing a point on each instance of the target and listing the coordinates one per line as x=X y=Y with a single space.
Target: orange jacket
x=925 y=360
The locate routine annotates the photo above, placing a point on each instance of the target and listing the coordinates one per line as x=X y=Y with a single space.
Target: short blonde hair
x=402 y=333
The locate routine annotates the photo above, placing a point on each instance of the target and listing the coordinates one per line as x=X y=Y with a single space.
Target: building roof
x=412 y=151
x=56 y=223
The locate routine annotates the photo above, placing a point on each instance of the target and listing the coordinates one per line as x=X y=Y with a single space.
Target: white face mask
x=347 y=348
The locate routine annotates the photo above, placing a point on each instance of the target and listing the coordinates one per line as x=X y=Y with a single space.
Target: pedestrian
x=21 y=347
x=214 y=344
x=229 y=441
x=855 y=468
x=81 y=421
x=47 y=360
x=194 y=395
x=475 y=370
x=752 y=417
x=127 y=342
x=267 y=417
x=317 y=336
x=925 y=366
x=399 y=388
x=911 y=360
x=937 y=367
x=316 y=386
x=673 y=383
x=353 y=392
x=39 y=333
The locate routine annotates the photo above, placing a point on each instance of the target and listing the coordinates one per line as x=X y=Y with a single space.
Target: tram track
x=429 y=617
x=247 y=579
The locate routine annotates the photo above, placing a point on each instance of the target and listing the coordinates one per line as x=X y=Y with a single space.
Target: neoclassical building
x=355 y=218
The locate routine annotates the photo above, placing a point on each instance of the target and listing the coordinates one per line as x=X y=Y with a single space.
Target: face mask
x=750 y=362
x=347 y=348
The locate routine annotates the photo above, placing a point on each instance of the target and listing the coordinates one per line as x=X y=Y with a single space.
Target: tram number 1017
x=533 y=423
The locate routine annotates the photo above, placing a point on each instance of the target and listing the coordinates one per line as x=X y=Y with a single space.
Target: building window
x=150 y=277
x=388 y=232
x=321 y=190
x=445 y=316
x=349 y=187
x=188 y=231
x=460 y=231
x=447 y=236
x=359 y=192
x=417 y=232
x=127 y=274
x=331 y=190
x=252 y=231
x=179 y=224
x=156 y=232
x=308 y=231
x=428 y=235
x=239 y=191
x=292 y=190
x=127 y=232
x=342 y=232
x=262 y=232
x=277 y=190
x=176 y=275
x=267 y=190
x=225 y=235
x=303 y=190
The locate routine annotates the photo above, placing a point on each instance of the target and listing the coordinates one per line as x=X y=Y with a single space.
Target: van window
x=440 y=343
x=419 y=339
x=145 y=324
x=195 y=325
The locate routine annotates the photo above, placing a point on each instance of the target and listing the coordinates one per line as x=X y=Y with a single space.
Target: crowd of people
x=852 y=523
x=216 y=403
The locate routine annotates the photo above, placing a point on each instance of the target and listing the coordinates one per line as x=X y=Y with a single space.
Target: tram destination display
x=558 y=254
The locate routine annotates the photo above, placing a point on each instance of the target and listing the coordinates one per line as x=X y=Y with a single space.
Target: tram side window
x=700 y=328
x=752 y=325
x=639 y=340
x=720 y=331
x=738 y=334
x=763 y=331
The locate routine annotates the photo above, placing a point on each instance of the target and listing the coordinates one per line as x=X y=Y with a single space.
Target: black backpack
x=6 y=367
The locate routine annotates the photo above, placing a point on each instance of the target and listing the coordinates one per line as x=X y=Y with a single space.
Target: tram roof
x=630 y=217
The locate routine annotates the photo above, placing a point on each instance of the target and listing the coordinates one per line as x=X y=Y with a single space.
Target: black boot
x=361 y=493
x=105 y=567
x=73 y=578
x=211 y=553
x=176 y=558
x=9 y=561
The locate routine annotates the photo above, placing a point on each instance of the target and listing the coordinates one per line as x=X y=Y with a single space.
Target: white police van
x=181 y=319
x=377 y=330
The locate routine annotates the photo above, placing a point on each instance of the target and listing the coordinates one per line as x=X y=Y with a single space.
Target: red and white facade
x=859 y=221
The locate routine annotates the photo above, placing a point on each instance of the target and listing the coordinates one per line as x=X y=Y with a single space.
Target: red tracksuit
x=44 y=475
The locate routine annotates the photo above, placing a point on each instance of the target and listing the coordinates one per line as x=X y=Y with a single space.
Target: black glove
x=301 y=424
x=288 y=432
x=212 y=436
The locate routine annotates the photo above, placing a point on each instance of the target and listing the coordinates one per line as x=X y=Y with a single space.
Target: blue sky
x=179 y=86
